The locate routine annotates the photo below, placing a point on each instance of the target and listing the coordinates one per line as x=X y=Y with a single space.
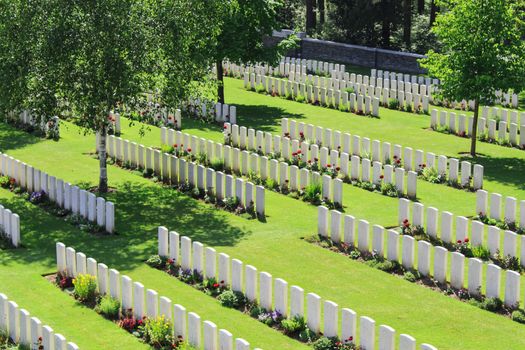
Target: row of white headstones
x=329 y=226
x=496 y=200
x=477 y=230
x=177 y=170
x=339 y=98
x=509 y=99
x=350 y=166
x=333 y=91
x=458 y=125
x=223 y=111
x=26 y=330
x=273 y=293
x=26 y=118
x=338 y=79
x=133 y=295
x=381 y=152
x=245 y=162
x=10 y=225
x=80 y=202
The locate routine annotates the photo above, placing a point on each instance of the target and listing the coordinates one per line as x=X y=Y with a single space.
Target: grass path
x=274 y=246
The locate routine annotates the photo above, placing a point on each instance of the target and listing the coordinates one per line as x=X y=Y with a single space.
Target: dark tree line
x=393 y=24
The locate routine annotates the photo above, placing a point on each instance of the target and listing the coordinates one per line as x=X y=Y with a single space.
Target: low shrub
x=300 y=98
x=156 y=261
x=293 y=325
x=518 y=316
x=492 y=304
x=481 y=252
x=231 y=299
x=157 y=332
x=393 y=103
x=350 y=90
x=109 y=307
x=217 y=164
x=85 y=287
x=410 y=276
x=431 y=175
x=389 y=189
x=260 y=88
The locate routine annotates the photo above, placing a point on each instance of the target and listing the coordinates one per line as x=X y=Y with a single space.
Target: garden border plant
x=293 y=327
x=375 y=260
x=41 y=200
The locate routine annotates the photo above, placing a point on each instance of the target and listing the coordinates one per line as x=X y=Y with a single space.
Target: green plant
x=431 y=175
x=492 y=304
x=410 y=276
x=307 y=335
x=323 y=343
x=350 y=90
x=167 y=148
x=300 y=98
x=312 y=192
x=389 y=189
x=217 y=164
x=231 y=299
x=293 y=325
x=231 y=203
x=157 y=331
x=260 y=89
x=393 y=103
x=109 y=307
x=4 y=181
x=481 y=252
x=271 y=184
x=156 y=261
x=85 y=287
x=518 y=316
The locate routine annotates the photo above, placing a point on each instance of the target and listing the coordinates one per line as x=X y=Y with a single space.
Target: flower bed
x=230 y=204
x=311 y=194
x=41 y=199
x=294 y=327
x=375 y=260
x=157 y=332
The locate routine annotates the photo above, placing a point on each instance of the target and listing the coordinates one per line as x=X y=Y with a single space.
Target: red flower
x=381 y=177
x=189 y=150
x=170 y=261
x=466 y=240
x=459 y=241
x=398 y=161
x=215 y=285
x=328 y=165
x=315 y=159
x=406 y=220
x=301 y=133
x=299 y=152
x=225 y=126
x=395 y=157
x=294 y=154
x=39 y=338
x=175 y=146
x=222 y=282
x=338 y=168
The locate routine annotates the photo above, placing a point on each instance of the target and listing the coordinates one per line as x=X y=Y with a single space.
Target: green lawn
x=274 y=246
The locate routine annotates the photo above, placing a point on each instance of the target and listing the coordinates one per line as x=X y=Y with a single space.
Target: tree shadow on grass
x=140 y=209
x=262 y=117
x=12 y=138
x=507 y=171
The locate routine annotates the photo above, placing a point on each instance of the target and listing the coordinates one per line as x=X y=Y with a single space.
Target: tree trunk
x=407 y=22
x=320 y=5
x=474 y=129
x=420 y=6
x=220 y=82
x=385 y=29
x=103 y=179
x=433 y=12
x=310 y=17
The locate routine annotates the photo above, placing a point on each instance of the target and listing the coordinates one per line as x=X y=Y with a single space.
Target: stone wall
x=352 y=54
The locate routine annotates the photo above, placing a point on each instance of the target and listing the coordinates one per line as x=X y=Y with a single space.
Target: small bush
x=231 y=299
x=256 y=310
x=350 y=90
x=389 y=189
x=217 y=164
x=312 y=192
x=109 y=307
x=410 y=277
x=167 y=149
x=492 y=304
x=518 y=316
x=393 y=103
x=323 y=343
x=481 y=252
x=307 y=336
x=231 y=203
x=355 y=254
x=157 y=331
x=260 y=88
x=431 y=175
x=300 y=98
x=85 y=287
x=293 y=325
x=155 y=261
